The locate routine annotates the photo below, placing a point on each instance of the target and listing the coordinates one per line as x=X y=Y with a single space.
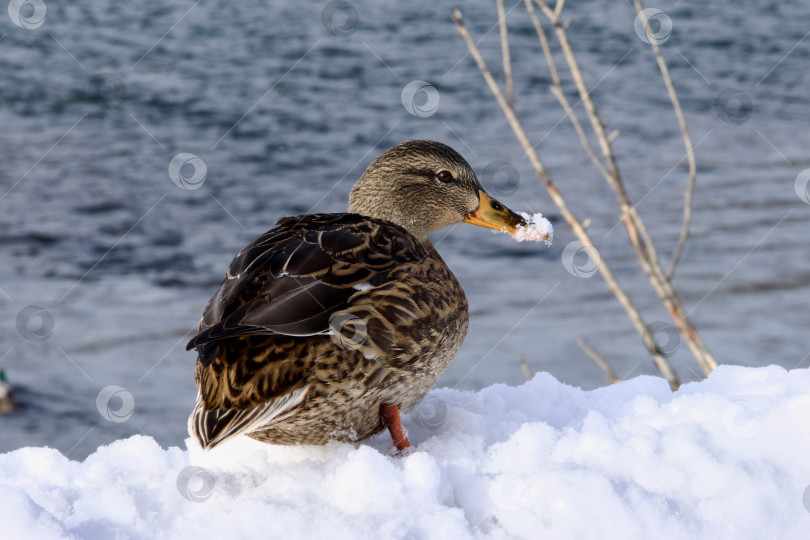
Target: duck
x=7 y=404
x=329 y=327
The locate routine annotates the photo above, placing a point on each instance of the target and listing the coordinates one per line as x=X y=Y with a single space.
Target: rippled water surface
x=97 y=100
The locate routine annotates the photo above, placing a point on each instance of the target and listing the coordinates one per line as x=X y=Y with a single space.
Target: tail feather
x=212 y=427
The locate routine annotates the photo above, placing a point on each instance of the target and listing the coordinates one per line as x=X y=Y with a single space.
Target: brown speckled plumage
x=325 y=318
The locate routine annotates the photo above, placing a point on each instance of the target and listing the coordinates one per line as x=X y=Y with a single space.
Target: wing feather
x=292 y=279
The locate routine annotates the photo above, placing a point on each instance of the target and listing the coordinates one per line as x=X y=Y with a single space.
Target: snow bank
x=723 y=458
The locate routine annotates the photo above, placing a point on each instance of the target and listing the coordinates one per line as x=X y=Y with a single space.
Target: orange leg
x=390 y=418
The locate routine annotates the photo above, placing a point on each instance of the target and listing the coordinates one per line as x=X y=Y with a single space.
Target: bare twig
x=612 y=378
x=644 y=245
x=507 y=60
x=525 y=367
x=558 y=92
x=570 y=218
x=687 y=141
x=637 y=232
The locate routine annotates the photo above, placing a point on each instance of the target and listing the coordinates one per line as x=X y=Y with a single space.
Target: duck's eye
x=445 y=176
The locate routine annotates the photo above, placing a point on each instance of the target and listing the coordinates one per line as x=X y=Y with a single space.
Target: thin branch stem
x=507 y=59
x=645 y=246
x=588 y=103
x=611 y=375
x=552 y=65
x=687 y=141
x=558 y=91
x=637 y=232
x=527 y=372
x=570 y=218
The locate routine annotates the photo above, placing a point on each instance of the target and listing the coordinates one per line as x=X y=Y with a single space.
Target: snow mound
x=722 y=458
x=538 y=229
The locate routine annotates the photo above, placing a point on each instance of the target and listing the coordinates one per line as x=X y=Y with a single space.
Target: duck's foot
x=390 y=419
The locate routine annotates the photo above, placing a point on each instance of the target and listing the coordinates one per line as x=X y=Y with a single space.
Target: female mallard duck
x=330 y=325
x=6 y=400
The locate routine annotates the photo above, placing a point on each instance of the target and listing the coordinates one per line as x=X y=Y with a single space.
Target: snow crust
x=723 y=458
x=538 y=229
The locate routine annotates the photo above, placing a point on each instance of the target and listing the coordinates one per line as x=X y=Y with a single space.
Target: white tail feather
x=230 y=423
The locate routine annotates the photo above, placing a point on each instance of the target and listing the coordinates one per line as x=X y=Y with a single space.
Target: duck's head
x=423 y=186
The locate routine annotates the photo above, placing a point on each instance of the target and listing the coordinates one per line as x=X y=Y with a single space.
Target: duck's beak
x=493 y=215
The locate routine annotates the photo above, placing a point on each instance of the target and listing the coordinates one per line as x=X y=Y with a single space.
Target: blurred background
x=108 y=257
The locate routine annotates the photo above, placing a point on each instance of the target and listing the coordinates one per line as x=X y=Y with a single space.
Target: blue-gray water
x=97 y=100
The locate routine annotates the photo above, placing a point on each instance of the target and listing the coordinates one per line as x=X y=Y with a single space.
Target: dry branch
x=527 y=372
x=687 y=141
x=507 y=59
x=558 y=92
x=559 y=201
x=637 y=232
x=612 y=378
